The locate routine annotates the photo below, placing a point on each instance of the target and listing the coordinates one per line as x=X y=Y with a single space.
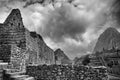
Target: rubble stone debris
x=62 y=72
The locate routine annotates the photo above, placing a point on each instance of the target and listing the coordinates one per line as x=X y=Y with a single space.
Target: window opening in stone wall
x=11 y=24
x=18 y=24
x=13 y=19
x=19 y=44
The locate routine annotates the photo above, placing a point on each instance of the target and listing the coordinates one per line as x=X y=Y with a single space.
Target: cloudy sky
x=72 y=25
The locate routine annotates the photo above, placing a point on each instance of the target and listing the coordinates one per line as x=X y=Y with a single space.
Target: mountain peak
x=111 y=30
x=108 y=39
x=62 y=57
x=58 y=50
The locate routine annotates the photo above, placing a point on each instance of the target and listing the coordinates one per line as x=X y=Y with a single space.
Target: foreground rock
x=62 y=72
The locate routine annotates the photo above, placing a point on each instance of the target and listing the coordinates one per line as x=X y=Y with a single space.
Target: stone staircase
x=12 y=74
x=2 y=67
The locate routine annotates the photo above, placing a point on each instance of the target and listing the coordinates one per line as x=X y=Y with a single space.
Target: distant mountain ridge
x=61 y=57
x=108 y=39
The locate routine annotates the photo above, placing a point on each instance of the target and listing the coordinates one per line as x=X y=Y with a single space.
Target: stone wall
x=32 y=48
x=37 y=48
x=14 y=31
x=46 y=54
x=3 y=66
x=62 y=72
x=19 y=46
x=5 y=52
x=18 y=58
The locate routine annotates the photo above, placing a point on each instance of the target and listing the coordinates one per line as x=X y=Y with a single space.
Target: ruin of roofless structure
x=19 y=45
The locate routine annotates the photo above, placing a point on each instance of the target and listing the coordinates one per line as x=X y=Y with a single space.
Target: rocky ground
x=60 y=72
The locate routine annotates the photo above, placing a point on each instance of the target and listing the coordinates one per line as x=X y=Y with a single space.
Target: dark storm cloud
x=31 y=2
x=66 y=26
x=43 y=2
x=116 y=11
x=62 y=24
x=6 y=3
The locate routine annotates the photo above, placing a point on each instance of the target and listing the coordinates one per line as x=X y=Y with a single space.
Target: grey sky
x=73 y=27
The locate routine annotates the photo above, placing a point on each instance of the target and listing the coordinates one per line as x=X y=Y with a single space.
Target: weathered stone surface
x=38 y=48
x=11 y=74
x=2 y=67
x=19 y=46
x=32 y=47
x=66 y=72
x=5 y=53
x=18 y=58
x=46 y=54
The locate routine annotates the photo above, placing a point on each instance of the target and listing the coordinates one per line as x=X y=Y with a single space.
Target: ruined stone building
x=108 y=58
x=19 y=46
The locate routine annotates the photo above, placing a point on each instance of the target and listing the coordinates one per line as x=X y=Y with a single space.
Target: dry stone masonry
x=20 y=47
